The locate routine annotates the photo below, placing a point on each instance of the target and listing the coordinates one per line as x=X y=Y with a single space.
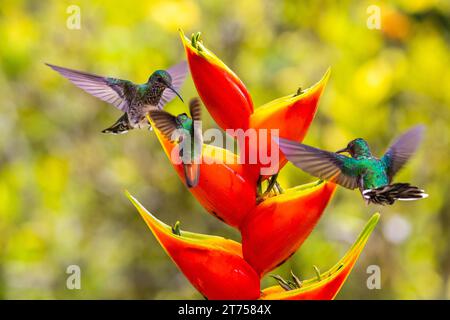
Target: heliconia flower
x=220 y=89
x=291 y=115
x=277 y=227
x=214 y=265
x=327 y=286
x=223 y=188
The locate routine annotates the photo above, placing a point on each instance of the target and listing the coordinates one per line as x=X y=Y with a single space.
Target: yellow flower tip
x=291 y=99
x=205 y=53
x=357 y=247
x=127 y=194
x=152 y=222
x=187 y=43
x=326 y=76
x=364 y=235
x=130 y=197
x=183 y=37
x=320 y=85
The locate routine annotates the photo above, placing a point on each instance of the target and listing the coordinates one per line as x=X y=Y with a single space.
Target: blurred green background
x=62 y=181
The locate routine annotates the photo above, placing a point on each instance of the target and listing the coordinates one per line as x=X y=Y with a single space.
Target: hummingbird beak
x=173 y=89
x=342 y=150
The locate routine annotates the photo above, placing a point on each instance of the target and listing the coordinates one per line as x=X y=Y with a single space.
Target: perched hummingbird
x=186 y=131
x=135 y=100
x=371 y=175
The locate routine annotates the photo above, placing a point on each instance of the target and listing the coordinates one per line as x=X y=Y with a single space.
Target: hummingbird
x=135 y=100
x=187 y=132
x=373 y=176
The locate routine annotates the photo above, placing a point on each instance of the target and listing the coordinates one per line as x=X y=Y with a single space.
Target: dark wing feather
x=110 y=90
x=195 y=109
x=164 y=122
x=178 y=74
x=401 y=150
x=322 y=164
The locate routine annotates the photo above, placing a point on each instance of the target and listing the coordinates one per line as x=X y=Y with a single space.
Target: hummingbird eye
x=351 y=146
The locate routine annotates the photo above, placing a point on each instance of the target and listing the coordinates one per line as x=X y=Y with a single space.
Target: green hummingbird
x=187 y=132
x=135 y=100
x=373 y=176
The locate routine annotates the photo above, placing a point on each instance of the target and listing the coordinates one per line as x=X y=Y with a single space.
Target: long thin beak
x=342 y=150
x=173 y=89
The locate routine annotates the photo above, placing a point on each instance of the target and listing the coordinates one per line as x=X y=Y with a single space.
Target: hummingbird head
x=163 y=80
x=160 y=77
x=184 y=121
x=356 y=148
x=182 y=117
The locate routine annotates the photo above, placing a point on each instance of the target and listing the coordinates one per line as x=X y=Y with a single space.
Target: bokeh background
x=62 y=181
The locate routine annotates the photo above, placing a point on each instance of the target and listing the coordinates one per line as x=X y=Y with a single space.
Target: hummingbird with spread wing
x=135 y=100
x=373 y=176
x=187 y=132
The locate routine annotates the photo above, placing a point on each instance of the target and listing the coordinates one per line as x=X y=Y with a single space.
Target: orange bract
x=214 y=265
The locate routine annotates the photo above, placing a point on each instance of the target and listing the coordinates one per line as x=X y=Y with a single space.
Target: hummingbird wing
x=111 y=90
x=164 y=122
x=401 y=150
x=178 y=74
x=195 y=109
x=323 y=164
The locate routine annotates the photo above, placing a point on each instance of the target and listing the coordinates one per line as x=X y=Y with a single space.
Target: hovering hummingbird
x=187 y=132
x=371 y=175
x=135 y=100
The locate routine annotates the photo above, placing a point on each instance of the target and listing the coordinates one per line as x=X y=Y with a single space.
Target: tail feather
x=192 y=174
x=390 y=193
x=122 y=125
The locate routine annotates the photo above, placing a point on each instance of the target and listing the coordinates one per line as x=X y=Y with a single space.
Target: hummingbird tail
x=388 y=194
x=121 y=126
x=192 y=174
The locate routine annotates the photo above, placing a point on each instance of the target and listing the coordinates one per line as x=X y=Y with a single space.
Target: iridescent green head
x=356 y=148
x=160 y=77
x=184 y=121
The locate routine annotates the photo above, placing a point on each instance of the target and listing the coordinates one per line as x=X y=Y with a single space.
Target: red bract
x=277 y=227
x=330 y=282
x=220 y=89
x=214 y=265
